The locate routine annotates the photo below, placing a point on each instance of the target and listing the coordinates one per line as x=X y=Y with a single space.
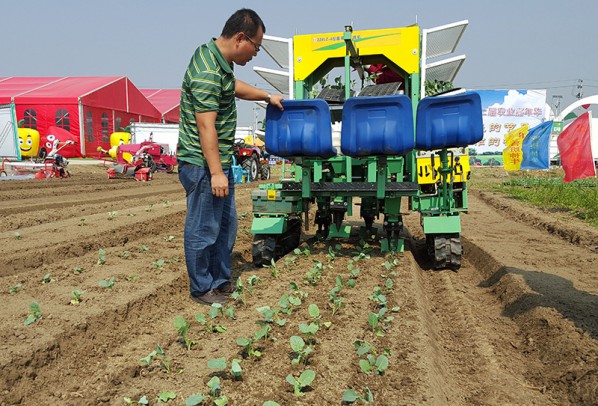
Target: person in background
x=208 y=119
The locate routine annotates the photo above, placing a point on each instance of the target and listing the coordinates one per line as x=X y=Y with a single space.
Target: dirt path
x=516 y=325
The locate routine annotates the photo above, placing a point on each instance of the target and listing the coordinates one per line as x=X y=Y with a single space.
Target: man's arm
x=247 y=92
x=208 y=137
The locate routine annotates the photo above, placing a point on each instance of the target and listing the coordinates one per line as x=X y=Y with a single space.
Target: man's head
x=244 y=30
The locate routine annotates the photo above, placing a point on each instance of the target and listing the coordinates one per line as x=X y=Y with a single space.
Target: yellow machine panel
x=399 y=45
x=427 y=175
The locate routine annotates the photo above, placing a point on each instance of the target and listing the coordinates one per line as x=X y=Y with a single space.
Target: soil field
x=516 y=325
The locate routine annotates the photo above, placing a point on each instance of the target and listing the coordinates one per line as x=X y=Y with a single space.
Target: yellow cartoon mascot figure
x=28 y=142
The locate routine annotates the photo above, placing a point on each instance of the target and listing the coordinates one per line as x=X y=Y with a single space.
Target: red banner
x=575 y=149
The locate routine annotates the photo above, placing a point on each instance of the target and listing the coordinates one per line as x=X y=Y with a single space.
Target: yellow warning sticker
x=272 y=194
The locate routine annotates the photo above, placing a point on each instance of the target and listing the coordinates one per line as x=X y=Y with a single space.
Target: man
x=208 y=119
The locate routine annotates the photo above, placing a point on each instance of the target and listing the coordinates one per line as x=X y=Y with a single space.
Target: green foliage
x=350 y=396
x=195 y=400
x=107 y=283
x=76 y=297
x=47 y=278
x=183 y=328
x=249 y=350
x=433 y=87
x=101 y=256
x=374 y=364
x=165 y=396
x=303 y=381
x=142 y=400
x=15 y=288
x=211 y=326
x=34 y=315
x=17 y=235
x=579 y=197
x=301 y=351
x=159 y=263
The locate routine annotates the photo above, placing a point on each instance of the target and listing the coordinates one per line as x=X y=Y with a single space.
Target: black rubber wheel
x=41 y=155
x=445 y=251
x=263 y=249
x=3 y=173
x=265 y=172
x=250 y=165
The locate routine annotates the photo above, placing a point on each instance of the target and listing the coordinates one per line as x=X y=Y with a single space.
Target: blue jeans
x=210 y=229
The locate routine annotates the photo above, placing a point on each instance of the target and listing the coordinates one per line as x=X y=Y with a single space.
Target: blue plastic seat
x=302 y=129
x=381 y=125
x=449 y=121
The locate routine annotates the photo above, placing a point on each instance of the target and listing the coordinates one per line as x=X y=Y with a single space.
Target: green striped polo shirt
x=208 y=85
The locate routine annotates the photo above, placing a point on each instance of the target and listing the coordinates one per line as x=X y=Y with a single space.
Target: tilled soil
x=516 y=325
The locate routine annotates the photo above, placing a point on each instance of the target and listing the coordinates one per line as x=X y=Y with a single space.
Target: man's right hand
x=220 y=185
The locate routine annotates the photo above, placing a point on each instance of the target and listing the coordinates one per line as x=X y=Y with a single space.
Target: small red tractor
x=141 y=160
x=252 y=159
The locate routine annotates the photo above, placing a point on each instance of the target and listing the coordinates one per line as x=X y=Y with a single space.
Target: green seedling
x=34 y=315
x=76 y=297
x=183 y=328
x=273 y=268
x=82 y=222
x=290 y=260
x=374 y=364
x=220 y=364
x=230 y=312
x=332 y=253
x=142 y=401
x=216 y=392
x=78 y=269
x=166 y=203
x=288 y=302
x=47 y=278
x=160 y=355
x=144 y=248
x=239 y=294
x=165 y=396
x=101 y=256
x=296 y=291
x=159 y=263
x=389 y=284
x=210 y=325
x=249 y=350
x=304 y=380
x=107 y=283
x=148 y=208
x=195 y=400
x=270 y=403
x=176 y=259
x=270 y=316
x=305 y=251
x=336 y=302
x=252 y=282
x=170 y=238
x=314 y=274
x=378 y=297
x=15 y=288
x=350 y=396
x=262 y=333
x=131 y=277
x=17 y=235
x=377 y=322
x=301 y=351
x=112 y=214
x=125 y=254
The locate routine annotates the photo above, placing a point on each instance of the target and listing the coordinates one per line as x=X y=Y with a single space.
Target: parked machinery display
x=393 y=149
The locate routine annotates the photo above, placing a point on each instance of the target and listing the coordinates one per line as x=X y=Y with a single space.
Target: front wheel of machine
x=3 y=173
x=263 y=249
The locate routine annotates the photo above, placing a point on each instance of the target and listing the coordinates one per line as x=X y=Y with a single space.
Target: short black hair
x=243 y=20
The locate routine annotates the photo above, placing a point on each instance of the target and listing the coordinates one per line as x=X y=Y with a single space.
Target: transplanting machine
x=395 y=153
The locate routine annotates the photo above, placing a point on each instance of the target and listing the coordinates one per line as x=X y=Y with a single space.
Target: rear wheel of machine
x=265 y=172
x=445 y=250
x=250 y=165
x=263 y=249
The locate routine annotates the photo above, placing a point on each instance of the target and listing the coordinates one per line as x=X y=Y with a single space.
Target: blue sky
x=527 y=44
